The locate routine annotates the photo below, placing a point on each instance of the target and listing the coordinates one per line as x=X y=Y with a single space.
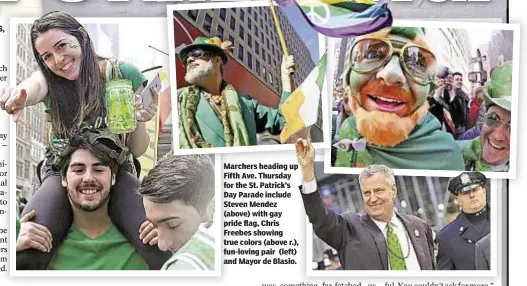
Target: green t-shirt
x=128 y=71
x=109 y=251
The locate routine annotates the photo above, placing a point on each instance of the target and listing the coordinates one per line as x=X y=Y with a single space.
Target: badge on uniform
x=416 y=232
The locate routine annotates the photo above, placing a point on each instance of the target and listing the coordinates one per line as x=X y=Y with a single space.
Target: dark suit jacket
x=455 y=244
x=482 y=253
x=359 y=242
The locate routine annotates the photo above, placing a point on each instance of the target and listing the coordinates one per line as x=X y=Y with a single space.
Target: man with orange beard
x=389 y=79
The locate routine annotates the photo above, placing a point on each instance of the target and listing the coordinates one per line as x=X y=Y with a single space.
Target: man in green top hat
x=211 y=113
x=389 y=79
x=491 y=150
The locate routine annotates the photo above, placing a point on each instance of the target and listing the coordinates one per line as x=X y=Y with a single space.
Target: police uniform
x=456 y=241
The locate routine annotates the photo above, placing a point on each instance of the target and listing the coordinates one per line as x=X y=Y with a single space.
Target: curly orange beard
x=384 y=128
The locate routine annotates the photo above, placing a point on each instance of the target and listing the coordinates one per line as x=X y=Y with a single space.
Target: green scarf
x=231 y=118
x=427 y=148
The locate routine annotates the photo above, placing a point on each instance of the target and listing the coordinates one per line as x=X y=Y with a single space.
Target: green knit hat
x=499 y=91
x=214 y=45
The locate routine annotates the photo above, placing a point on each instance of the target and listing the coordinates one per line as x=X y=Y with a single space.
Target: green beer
x=120 y=106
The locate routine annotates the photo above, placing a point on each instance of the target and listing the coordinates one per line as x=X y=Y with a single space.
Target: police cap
x=465 y=182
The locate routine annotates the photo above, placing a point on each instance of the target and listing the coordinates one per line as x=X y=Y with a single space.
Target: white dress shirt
x=404 y=240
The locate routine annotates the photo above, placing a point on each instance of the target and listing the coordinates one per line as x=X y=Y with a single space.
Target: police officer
x=457 y=239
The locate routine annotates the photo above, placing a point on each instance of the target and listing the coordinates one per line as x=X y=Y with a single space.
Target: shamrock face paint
x=73 y=45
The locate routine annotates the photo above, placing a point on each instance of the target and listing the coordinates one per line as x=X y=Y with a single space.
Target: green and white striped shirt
x=197 y=254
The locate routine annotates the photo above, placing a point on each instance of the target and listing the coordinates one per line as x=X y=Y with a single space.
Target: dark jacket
x=360 y=244
x=456 y=243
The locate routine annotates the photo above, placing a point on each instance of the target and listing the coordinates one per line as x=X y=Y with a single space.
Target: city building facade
x=30 y=139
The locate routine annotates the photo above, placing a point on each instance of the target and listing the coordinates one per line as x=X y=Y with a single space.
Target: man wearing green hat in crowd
x=491 y=150
x=389 y=79
x=211 y=113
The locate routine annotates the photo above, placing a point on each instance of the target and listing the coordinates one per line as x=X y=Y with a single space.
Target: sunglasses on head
x=370 y=54
x=494 y=121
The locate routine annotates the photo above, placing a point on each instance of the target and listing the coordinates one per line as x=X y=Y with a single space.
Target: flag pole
x=305 y=132
x=278 y=29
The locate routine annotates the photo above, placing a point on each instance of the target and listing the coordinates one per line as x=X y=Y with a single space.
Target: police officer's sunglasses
x=370 y=54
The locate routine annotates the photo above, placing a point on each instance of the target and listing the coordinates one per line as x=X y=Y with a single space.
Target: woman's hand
x=13 y=101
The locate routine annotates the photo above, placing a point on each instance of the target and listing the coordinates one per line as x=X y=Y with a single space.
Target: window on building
x=255 y=15
x=242 y=14
x=242 y=32
x=270 y=78
x=258 y=66
x=257 y=47
x=19 y=169
x=240 y=52
x=256 y=30
x=207 y=22
x=268 y=47
x=249 y=23
x=193 y=14
x=233 y=23
x=262 y=37
x=231 y=39
x=266 y=29
x=219 y=32
x=249 y=10
x=223 y=14
x=272 y=47
x=264 y=71
x=249 y=60
x=26 y=170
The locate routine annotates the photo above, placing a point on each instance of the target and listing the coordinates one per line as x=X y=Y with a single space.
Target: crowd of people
x=395 y=102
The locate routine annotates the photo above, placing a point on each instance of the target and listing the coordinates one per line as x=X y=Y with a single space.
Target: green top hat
x=499 y=91
x=214 y=45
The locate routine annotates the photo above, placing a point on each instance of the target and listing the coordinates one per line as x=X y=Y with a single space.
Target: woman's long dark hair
x=71 y=101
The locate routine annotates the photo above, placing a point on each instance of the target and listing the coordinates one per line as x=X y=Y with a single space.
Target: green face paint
x=73 y=45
